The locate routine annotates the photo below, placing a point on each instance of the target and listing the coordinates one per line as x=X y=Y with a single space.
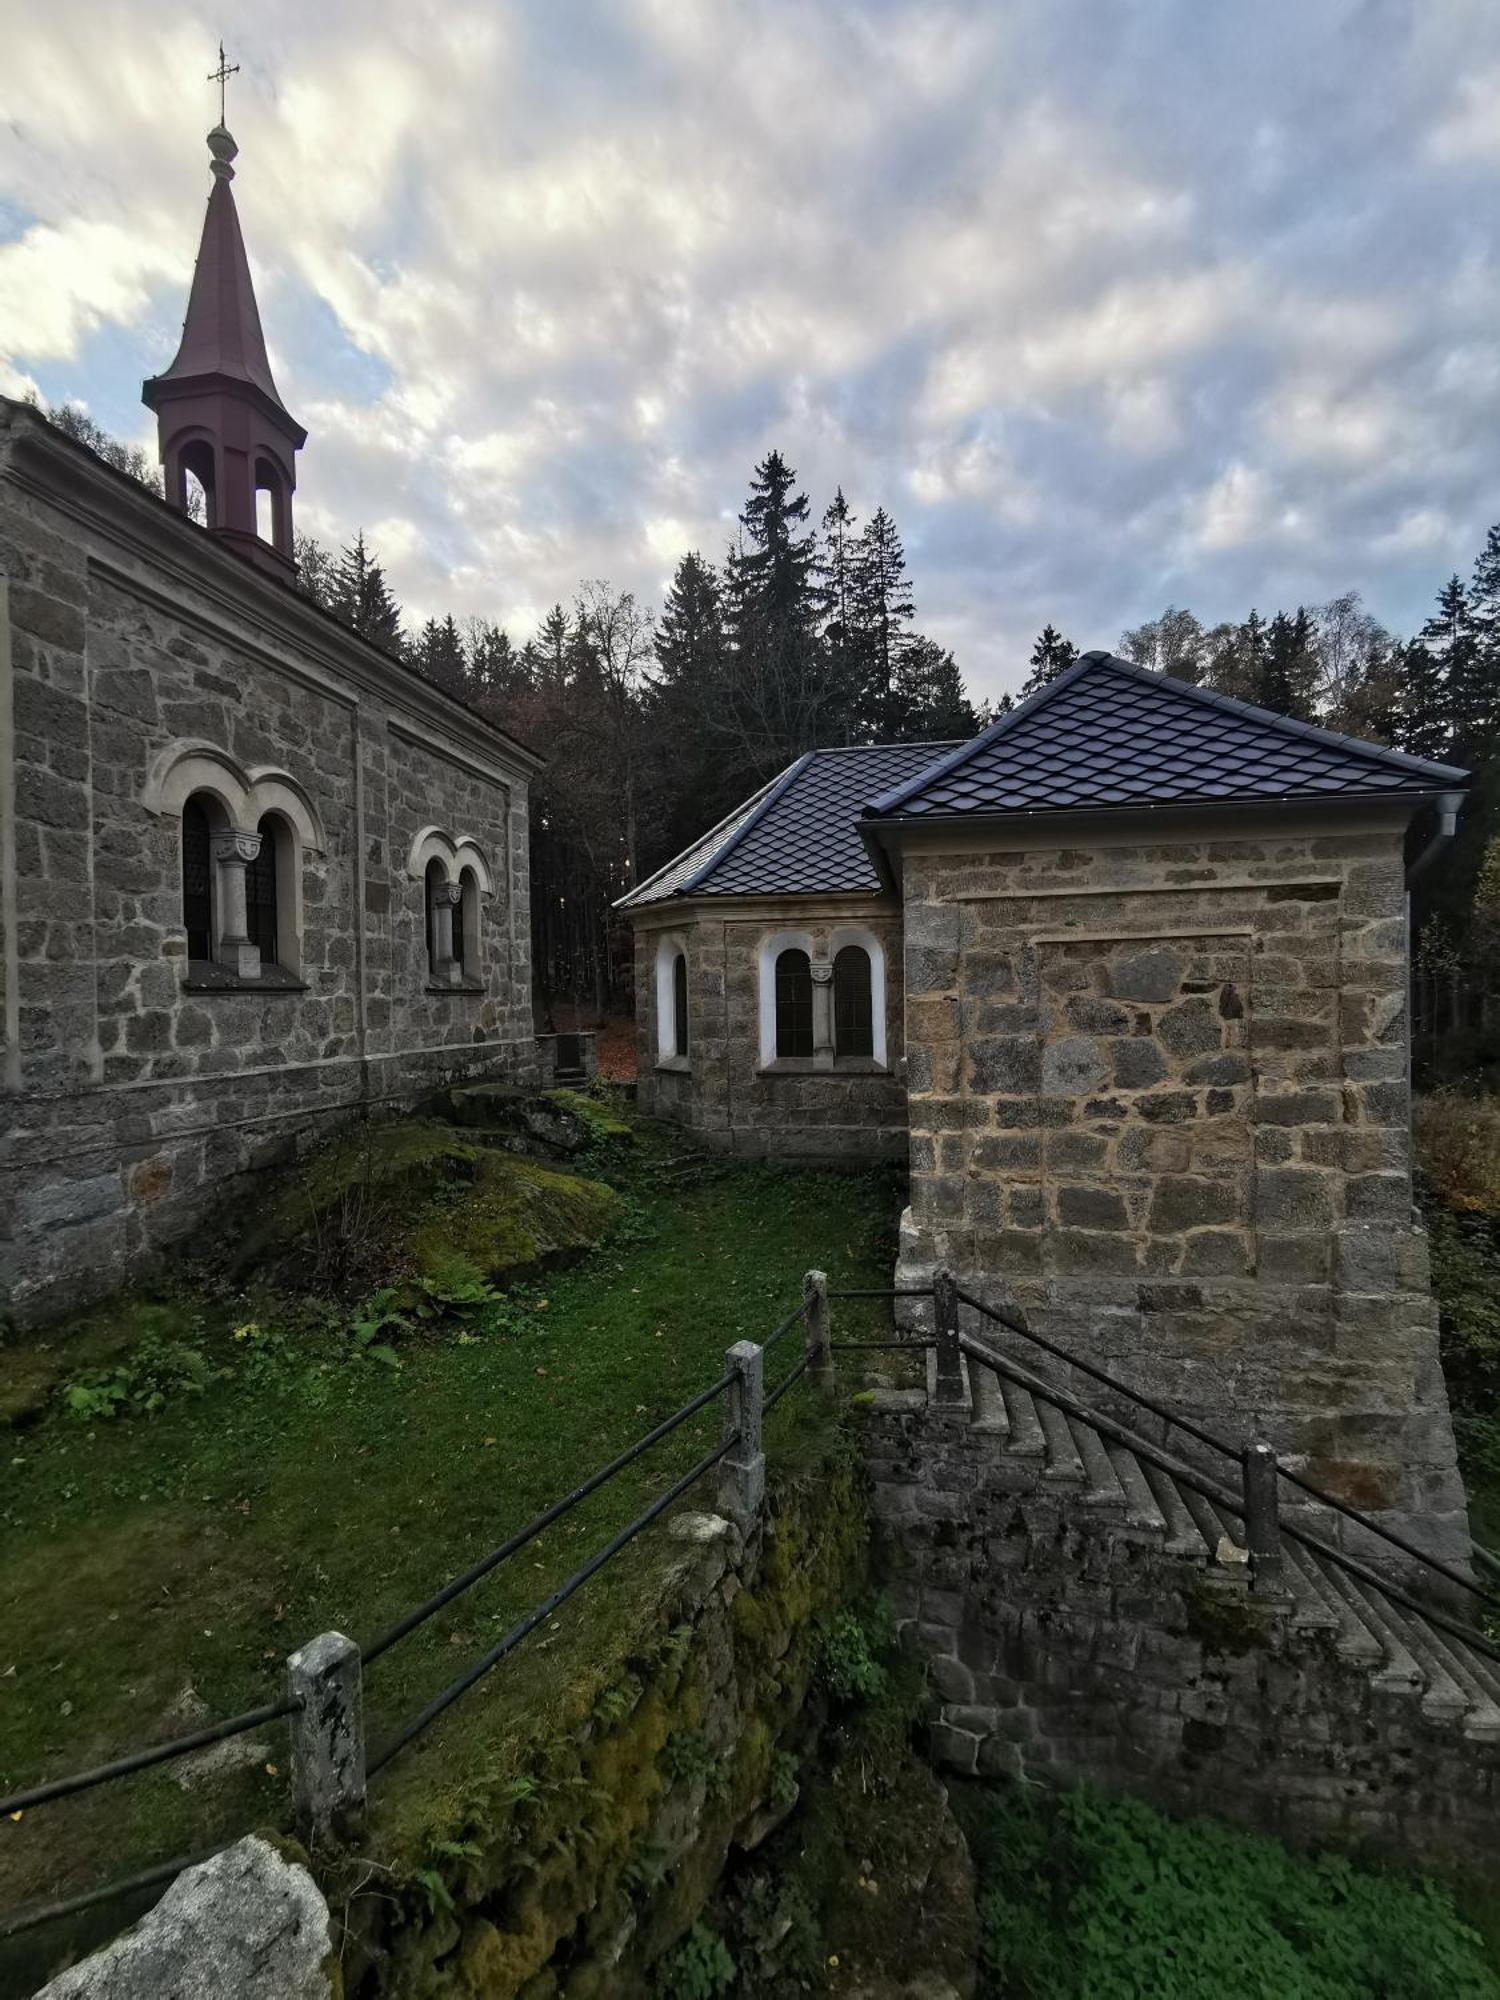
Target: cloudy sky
x=1111 y=302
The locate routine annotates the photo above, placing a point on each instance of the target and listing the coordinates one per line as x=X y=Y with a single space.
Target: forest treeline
x=805 y=633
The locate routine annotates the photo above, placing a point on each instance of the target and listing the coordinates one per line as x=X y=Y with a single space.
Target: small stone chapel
x=1125 y=979
x=255 y=874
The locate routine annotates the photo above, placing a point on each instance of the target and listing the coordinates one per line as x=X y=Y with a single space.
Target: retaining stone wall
x=1063 y=1648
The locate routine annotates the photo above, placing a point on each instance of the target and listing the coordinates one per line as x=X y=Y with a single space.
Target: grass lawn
x=159 y=1567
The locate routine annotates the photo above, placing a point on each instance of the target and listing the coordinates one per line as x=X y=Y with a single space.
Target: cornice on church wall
x=162 y=554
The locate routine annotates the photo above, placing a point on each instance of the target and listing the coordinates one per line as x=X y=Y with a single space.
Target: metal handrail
x=1219 y=1444
x=143 y=1760
x=990 y=1357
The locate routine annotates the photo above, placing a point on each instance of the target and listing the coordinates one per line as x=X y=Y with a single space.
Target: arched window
x=437 y=955
x=794 y=1004
x=680 y=1003
x=466 y=928
x=853 y=1014
x=199 y=468
x=197 y=880
x=261 y=900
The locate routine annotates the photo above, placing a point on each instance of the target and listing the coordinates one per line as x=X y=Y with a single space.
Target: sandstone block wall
x=133 y=1103
x=724 y=1095
x=1158 y=1100
x=1062 y=1648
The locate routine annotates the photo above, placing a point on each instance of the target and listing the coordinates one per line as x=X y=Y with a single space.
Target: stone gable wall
x=1158 y=1100
x=134 y=1103
x=725 y=1096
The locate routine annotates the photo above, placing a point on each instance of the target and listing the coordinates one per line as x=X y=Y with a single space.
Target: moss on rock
x=419 y=1197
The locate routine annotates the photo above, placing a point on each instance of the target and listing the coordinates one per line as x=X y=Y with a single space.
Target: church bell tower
x=219 y=415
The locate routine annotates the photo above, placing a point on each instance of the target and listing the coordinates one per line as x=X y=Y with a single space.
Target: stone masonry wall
x=723 y=1094
x=133 y=1102
x=1062 y=1648
x=1158 y=1100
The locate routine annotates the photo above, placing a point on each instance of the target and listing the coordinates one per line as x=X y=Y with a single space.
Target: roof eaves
x=772 y=793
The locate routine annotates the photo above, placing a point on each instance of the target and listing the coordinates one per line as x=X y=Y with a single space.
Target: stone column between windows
x=822 y=999
x=446 y=898
x=233 y=850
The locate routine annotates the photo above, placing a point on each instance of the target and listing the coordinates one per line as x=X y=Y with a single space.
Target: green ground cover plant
x=324 y=1461
x=1083 y=1897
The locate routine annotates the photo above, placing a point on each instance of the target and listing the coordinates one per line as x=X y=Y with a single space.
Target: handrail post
x=818 y=1331
x=950 y=1373
x=1262 y=1517
x=742 y=1482
x=327 y=1730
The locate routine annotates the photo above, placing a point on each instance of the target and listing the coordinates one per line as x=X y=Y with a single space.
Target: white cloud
x=1050 y=281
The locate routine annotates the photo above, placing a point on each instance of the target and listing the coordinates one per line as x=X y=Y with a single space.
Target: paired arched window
x=239 y=890
x=794 y=1004
x=672 y=1028
x=466 y=927
x=822 y=999
x=261 y=926
x=439 y=923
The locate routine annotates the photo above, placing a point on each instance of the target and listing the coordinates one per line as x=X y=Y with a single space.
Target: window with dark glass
x=794 y=1004
x=853 y=1018
x=679 y=1005
x=435 y=880
x=461 y=945
x=260 y=893
x=197 y=890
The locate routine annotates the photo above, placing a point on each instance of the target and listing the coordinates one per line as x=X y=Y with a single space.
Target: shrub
x=1087 y=1898
x=1458 y=1143
x=849 y=1662
x=699 y=1968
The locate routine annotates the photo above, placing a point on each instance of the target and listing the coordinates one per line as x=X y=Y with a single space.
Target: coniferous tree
x=494 y=669
x=836 y=572
x=438 y=655
x=362 y=598
x=1454 y=643
x=1051 y=655
x=1424 y=706
x=317 y=569
x=930 y=704
x=883 y=613
x=1288 y=674
x=778 y=699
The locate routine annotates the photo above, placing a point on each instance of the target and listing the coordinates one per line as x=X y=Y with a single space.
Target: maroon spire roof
x=221 y=334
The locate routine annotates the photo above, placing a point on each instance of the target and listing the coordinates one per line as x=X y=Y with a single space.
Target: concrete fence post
x=950 y=1368
x=327 y=1731
x=1263 y=1517
x=817 y=1327
x=742 y=1476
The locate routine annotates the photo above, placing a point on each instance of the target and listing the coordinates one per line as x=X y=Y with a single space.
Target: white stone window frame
x=463 y=873
x=671 y=946
x=243 y=796
x=874 y=950
x=771 y=948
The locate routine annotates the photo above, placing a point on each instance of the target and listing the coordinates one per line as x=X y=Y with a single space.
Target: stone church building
x=1125 y=978
x=254 y=873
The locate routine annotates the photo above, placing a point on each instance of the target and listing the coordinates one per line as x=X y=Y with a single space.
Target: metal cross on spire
x=221 y=76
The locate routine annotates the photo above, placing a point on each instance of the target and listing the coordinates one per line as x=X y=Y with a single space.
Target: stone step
x=1183 y=1538
x=1362 y=1640
x=1214 y=1530
x=1102 y=1486
x=1443 y=1699
x=1064 y=1467
x=1026 y=1439
x=1141 y=1507
x=987 y=1402
x=1311 y=1610
x=1481 y=1722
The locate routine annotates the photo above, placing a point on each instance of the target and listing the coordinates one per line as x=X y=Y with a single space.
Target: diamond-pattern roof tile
x=1108 y=733
x=799 y=835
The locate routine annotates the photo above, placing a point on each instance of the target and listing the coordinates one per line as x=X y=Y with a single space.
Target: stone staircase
x=1101 y=1480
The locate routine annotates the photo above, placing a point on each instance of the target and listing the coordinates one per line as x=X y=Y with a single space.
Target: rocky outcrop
x=245 y=1925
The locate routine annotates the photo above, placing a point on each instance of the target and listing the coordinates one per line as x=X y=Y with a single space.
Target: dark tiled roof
x=798 y=836
x=1107 y=733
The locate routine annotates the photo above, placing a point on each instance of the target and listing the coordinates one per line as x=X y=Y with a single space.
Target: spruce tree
x=930 y=704
x=690 y=630
x=837 y=583
x=438 y=655
x=883 y=615
x=1454 y=643
x=1288 y=669
x=1051 y=655
x=362 y=598
x=778 y=701
x=1424 y=717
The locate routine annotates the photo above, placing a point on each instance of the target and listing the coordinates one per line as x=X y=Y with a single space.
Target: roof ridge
x=1373 y=755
